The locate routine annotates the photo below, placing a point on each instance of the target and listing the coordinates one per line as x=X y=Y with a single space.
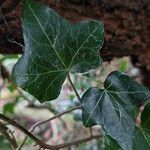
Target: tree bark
x=126 y=25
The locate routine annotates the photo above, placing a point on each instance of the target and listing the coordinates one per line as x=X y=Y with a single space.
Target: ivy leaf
x=141 y=139
x=113 y=107
x=53 y=47
x=145 y=117
x=110 y=143
x=142 y=134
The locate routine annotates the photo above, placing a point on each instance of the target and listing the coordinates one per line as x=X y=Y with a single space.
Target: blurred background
x=27 y=111
x=127 y=33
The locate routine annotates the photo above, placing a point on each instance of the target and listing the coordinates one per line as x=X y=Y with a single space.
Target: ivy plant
x=54 y=48
x=142 y=134
x=114 y=107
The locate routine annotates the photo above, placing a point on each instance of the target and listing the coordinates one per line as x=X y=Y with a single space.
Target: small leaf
x=9 y=108
x=123 y=65
x=141 y=139
x=53 y=47
x=110 y=144
x=145 y=117
x=142 y=134
x=114 y=107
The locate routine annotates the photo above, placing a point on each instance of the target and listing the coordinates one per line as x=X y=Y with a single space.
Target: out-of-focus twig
x=9 y=136
x=72 y=85
x=45 y=121
x=41 y=143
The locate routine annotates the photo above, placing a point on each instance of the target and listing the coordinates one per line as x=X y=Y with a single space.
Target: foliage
x=53 y=48
x=5 y=145
x=142 y=134
x=113 y=107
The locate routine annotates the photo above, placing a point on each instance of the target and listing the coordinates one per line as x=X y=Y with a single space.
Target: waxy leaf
x=53 y=48
x=141 y=139
x=142 y=134
x=113 y=107
x=110 y=143
x=145 y=117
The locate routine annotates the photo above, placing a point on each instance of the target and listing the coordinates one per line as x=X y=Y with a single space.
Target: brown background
x=127 y=27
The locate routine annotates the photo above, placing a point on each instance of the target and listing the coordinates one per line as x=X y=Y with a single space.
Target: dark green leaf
x=53 y=47
x=141 y=139
x=4 y=144
x=145 y=117
x=142 y=134
x=113 y=107
x=110 y=144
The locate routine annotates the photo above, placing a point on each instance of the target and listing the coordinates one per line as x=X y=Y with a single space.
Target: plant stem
x=78 y=96
x=76 y=92
x=45 y=121
x=41 y=143
x=8 y=136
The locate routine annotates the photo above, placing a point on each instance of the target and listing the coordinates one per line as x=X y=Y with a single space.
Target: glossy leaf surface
x=141 y=139
x=53 y=47
x=142 y=134
x=110 y=143
x=113 y=107
x=145 y=117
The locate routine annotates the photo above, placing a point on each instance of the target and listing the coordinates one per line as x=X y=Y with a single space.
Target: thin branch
x=76 y=92
x=10 y=138
x=21 y=94
x=15 y=42
x=45 y=121
x=41 y=143
x=13 y=138
x=12 y=122
x=54 y=117
x=49 y=108
x=78 y=96
x=79 y=141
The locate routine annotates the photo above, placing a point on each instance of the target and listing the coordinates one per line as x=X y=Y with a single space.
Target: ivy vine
x=54 y=48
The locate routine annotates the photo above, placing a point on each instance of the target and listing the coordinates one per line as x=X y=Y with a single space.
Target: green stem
x=76 y=92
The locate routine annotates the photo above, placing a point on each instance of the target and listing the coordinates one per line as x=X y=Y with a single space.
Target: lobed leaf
x=53 y=48
x=145 y=117
x=113 y=107
x=142 y=134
